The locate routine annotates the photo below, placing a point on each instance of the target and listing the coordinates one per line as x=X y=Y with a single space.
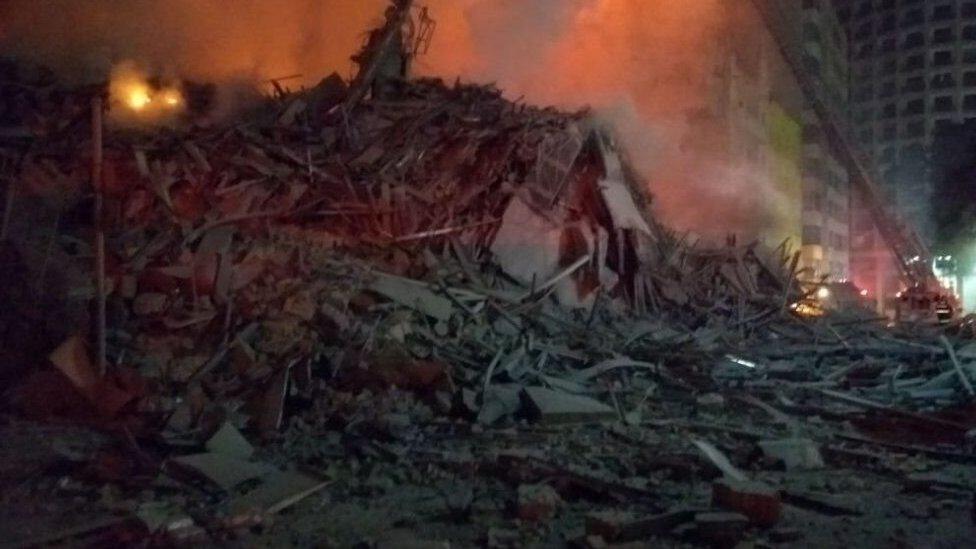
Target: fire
x=172 y=97
x=139 y=99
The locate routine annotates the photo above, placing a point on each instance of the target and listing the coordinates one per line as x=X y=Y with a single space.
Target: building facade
x=754 y=123
x=913 y=69
x=827 y=201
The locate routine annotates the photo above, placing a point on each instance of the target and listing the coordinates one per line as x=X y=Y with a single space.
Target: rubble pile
x=444 y=316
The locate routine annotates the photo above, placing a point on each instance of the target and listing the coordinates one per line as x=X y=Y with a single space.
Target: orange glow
x=137 y=101
x=171 y=97
x=646 y=66
x=201 y=40
x=138 y=97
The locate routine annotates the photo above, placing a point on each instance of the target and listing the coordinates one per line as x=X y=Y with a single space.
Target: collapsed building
x=447 y=315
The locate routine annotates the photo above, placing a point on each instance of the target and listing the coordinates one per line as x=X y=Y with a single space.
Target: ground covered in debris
x=437 y=319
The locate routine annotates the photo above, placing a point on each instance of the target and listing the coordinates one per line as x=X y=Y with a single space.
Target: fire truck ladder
x=912 y=255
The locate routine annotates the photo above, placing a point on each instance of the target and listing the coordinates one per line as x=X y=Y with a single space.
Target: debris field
x=435 y=319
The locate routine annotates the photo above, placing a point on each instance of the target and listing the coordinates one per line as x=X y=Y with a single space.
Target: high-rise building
x=753 y=122
x=826 y=182
x=913 y=69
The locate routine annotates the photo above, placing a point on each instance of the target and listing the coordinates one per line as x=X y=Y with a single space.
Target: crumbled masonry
x=440 y=318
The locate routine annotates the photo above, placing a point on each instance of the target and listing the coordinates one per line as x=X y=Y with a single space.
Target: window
x=969 y=103
x=943 y=104
x=944 y=12
x=865 y=115
x=969 y=55
x=915 y=129
x=969 y=32
x=914 y=84
x=915 y=106
x=888 y=155
x=890 y=67
x=943 y=81
x=943 y=36
x=890 y=111
x=811 y=233
x=887 y=89
x=890 y=132
x=914 y=40
x=969 y=9
x=864 y=93
x=969 y=78
x=914 y=62
x=942 y=58
x=913 y=18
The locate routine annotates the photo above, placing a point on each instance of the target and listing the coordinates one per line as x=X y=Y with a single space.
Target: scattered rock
x=757 y=501
x=794 y=453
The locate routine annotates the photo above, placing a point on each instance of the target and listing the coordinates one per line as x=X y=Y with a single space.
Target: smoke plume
x=646 y=66
x=211 y=40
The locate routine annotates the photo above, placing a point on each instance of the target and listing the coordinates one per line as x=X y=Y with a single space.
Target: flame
x=171 y=97
x=138 y=100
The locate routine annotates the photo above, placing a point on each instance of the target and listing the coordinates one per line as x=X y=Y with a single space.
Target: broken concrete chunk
x=228 y=441
x=711 y=400
x=527 y=244
x=616 y=193
x=719 y=460
x=411 y=293
x=756 y=500
x=164 y=517
x=499 y=401
x=551 y=407
x=71 y=358
x=795 y=453
x=227 y=472
x=277 y=491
